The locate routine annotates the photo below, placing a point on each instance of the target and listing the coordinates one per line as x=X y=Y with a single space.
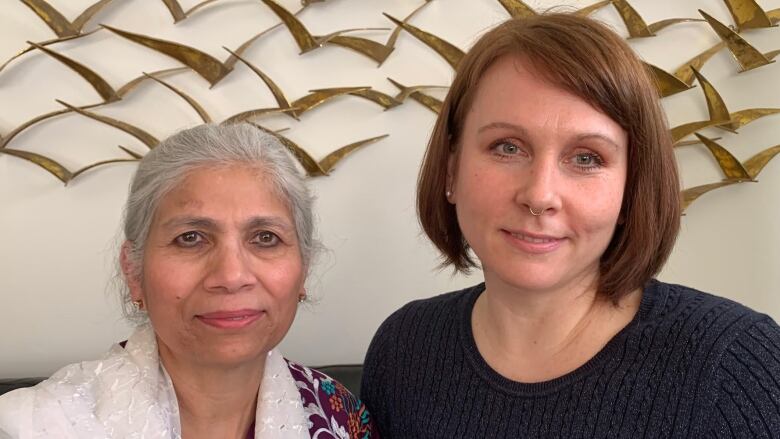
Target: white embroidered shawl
x=128 y=394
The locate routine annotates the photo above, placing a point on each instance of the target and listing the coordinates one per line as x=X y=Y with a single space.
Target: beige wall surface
x=58 y=243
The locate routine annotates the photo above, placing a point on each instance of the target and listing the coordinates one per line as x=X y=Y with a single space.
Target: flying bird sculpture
x=451 y=53
x=635 y=24
x=716 y=108
x=748 y=14
x=518 y=9
x=746 y=55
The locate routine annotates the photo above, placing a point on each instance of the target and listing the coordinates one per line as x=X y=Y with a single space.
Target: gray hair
x=207 y=146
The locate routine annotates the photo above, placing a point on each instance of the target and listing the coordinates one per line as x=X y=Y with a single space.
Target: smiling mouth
x=532 y=239
x=230 y=319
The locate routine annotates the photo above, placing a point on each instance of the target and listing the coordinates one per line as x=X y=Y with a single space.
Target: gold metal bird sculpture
x=635 y=24
x=180 y=14
x=666 y=83
x=387 y=102
x=121 y=92
x=415 y=93
x=731 y=167
x=746 y=55
x=748 y=14
x=296 y=108
x=451 y=53
x=305 y=40
x=57 y=22
x=370 y=48
x=518 y=9
x=684 y=72
x=718 y=113
x=147 y=139
x=325 y=166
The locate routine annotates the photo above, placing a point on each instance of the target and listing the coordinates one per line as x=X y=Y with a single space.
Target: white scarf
x=128 y=394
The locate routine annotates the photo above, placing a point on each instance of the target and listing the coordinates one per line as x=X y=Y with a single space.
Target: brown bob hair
x=589 y=60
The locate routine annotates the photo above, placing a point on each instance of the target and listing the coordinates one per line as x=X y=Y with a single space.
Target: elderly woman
x=551 y=160
x=219 y=238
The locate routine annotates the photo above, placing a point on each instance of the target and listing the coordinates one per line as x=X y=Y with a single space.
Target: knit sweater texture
x=689 y=365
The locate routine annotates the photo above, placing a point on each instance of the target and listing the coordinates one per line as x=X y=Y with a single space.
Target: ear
x=130 y=271
x=449 y=187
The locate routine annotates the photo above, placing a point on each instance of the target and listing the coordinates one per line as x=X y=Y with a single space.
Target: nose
x=540 y=187
x=229 y=270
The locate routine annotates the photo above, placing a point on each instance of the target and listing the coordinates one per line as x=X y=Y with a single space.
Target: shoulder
x=421 y=317
x=329 y=405
x=700 y=313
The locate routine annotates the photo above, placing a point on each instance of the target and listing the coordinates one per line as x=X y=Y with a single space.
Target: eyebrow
x=209 y=224
x=524 y=132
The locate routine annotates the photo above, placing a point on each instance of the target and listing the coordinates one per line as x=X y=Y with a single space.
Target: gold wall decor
x=746 y=14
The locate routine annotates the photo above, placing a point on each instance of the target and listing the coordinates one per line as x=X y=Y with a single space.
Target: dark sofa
x=348 y=374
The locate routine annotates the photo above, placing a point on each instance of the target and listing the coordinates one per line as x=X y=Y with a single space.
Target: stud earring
x=448 y=194
x=139 y=304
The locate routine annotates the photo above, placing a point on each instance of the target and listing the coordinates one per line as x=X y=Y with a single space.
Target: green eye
x=509 y=148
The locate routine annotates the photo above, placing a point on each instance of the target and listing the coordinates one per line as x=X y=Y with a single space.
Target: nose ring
x=534 y=213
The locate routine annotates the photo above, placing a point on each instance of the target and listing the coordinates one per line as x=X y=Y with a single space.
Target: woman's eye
x=266 y=239
x=189 y=239
x=587 y=160
x=508 y=148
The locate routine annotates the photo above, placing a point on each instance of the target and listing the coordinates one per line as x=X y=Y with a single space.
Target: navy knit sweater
x=689 y=365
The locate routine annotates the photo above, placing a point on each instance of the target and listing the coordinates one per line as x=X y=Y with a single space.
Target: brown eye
x=189 y=239
x=266 y=239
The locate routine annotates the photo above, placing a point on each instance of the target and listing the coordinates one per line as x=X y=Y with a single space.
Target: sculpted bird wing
x=54 y=168
x=205 y=65
x=691 y=194
x=658 y=25
x=746 y=55
x=744 y=117
x=666 y=83
x=187 y=98
x=275 y=90
x=320 y=96
x=748 y=14
x=587 y=10
x=133 y=130
x=414 y=92
x=446 y=50
x=731 y=167
x=755 y=164
x=684 y=72
x=96 y=81
x=303 y=38
x=307 y=161
x=635 y=24
x=330 y=160
x=180 y=14
x=100 y=163
x=718 y=113
x=517 y=9
x=382 y=99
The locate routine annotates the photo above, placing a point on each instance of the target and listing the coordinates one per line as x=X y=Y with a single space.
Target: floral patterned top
x=333 y=411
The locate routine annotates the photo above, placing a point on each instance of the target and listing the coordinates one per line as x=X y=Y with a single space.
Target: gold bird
x=370 y=48
x=180 y=14
x=121 y=92
x=731 y=167
x=303 y=38
x=296 y=108
x=718 y=113
x=684 y=72
x=446 y=50
x=666 y=83
x=325 y=166
x=147 y=139
x=748 y=14
x=746 y=55
x=518 y=9
x=387 y=102
x=57 y=22
x=415 y=93
x=635 y=24
x=208 y=67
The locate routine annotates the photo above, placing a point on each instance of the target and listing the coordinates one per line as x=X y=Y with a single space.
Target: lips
x=230 y=319
x=533 y=243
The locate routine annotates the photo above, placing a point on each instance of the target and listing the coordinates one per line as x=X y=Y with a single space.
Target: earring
x=448 y=194
x=302 y=298
x=139 y=304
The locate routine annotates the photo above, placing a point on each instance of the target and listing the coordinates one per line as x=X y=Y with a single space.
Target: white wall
x=57 y=243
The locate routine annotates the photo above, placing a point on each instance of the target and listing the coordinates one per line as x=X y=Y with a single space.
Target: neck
x=533 y=336
x=214 y=400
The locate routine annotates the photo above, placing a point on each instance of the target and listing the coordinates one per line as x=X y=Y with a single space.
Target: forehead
x=223 y=191
x=513 y=90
